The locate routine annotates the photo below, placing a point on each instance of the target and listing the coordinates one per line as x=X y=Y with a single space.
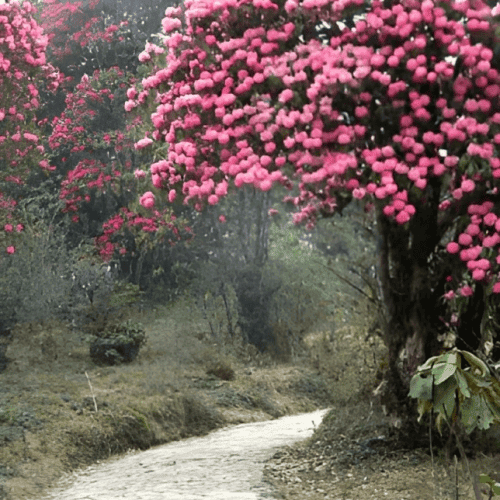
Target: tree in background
x=393 y=103
x=98 y=170
x=23 y=70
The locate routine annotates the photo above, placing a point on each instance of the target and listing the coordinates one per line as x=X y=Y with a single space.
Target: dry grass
x=349 y=357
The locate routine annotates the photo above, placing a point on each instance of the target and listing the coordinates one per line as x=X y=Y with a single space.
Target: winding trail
x=224 y=465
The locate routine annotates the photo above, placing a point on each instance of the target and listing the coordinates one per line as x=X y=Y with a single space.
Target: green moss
x=141 y=418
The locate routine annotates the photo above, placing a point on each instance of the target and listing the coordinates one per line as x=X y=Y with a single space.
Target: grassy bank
x=59 y=411
x=362 y=459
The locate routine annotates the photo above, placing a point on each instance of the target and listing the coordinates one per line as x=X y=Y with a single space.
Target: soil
x=364 y=458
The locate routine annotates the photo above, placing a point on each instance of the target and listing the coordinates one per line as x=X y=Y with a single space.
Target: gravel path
x=224 y=465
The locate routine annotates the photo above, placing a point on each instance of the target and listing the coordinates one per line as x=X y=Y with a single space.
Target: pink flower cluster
x=476 y=243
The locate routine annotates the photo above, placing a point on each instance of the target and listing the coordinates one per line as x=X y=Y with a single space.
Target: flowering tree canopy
x=394 y=103
x=401 y=108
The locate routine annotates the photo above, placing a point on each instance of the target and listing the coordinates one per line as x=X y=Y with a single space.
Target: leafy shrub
x=461 y=389
x=457 y=384
x=255 y=290
x=105 y=313
x=118 y=344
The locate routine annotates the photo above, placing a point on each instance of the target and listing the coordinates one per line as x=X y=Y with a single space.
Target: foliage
x=108 y=300
x=222 y=369
x=91 y=142
x=495 y=487
x=23 y=71
x=124 y=295
x=35 y=281
x=124 y=332
x=457 y=385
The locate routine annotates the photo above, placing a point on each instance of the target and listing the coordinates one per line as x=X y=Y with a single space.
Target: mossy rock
x=110 y=352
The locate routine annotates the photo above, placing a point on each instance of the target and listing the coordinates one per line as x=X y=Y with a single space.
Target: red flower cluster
x=161 y=224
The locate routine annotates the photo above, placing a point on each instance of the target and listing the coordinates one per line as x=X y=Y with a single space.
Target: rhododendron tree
x=392 y=103
x=90 y=141
x=23 y=70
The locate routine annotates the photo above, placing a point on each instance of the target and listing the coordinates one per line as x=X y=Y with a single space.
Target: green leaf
x=468 y=413
x=476 y=413
x=428 y=364
x=486 y=417
x=444 y=397
x=476 y=363
x=494 y=407
x=450 y=357
x=443 y=371
x=496 y=488
x=485 y=479
x=421 y=387
x=483 y=383
x=462 y=384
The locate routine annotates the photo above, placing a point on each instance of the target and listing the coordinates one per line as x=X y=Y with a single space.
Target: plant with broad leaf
x=494 y=486
x=462 y=390
x=457 y=386
x=118 y=343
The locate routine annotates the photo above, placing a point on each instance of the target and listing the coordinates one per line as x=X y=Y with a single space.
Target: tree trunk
x=412 y=286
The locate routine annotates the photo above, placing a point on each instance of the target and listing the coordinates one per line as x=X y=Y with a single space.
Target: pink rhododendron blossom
x=465 y=239
x=467 y=186
x=490 y=219
x=379 y=111
x=147 y=200
x=478 y=274
x=139 y=174
x=143 y=143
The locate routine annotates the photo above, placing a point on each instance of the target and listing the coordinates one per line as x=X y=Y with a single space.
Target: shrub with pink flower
x=23 y=71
